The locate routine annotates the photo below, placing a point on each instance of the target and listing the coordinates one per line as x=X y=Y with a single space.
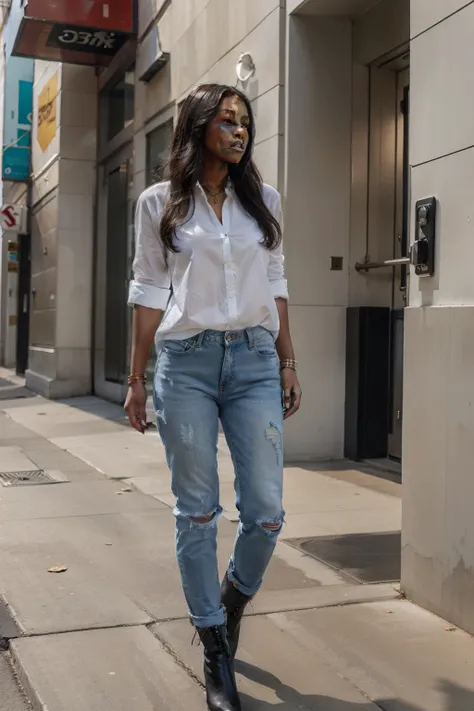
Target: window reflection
x=120 y=100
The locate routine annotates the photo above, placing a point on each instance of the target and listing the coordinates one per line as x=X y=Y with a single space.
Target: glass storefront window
x=118 y=258
x=115 y=232
x=120 y=104
x=157 y=152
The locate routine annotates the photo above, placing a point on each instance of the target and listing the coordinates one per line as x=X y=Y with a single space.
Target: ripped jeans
x=233 y=377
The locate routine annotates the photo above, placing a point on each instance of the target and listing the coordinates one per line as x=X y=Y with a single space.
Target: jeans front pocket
x=180 y=347
x=264 y=344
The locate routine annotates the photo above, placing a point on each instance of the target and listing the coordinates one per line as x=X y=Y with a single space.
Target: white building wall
x=317 y=219
x=438 y=526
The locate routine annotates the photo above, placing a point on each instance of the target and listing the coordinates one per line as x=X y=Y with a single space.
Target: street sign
x=18 y=110
x=12 y=218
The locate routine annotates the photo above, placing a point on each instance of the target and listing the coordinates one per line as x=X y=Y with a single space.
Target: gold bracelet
x=134 y=378
x=289 y=363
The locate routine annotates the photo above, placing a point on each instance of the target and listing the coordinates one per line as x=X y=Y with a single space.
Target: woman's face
x=227 y=135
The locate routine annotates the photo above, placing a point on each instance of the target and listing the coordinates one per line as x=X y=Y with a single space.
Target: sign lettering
x=92 y=39
x=10 y=219
x=47 y=113
x=86 y=40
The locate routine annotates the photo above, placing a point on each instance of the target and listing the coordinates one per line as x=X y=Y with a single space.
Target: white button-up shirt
x=221 y=279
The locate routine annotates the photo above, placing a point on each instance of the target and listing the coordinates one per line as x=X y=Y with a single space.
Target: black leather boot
x=235 y=603
x=221 y=689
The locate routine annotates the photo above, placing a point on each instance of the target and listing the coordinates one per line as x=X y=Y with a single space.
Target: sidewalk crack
x=173 y=653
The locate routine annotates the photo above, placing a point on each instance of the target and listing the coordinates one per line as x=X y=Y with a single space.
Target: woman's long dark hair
x=187 y=157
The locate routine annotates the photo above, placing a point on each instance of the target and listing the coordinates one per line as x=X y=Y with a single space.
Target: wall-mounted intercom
x=423 y=248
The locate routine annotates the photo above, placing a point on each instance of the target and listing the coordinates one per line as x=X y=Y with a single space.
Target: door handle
x=422 y=251
x=366 y=266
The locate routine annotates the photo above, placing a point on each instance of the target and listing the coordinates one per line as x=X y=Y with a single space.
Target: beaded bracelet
x=289 y=363
x=133 y=378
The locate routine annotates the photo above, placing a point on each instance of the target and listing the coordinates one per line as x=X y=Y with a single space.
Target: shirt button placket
x=229 y=279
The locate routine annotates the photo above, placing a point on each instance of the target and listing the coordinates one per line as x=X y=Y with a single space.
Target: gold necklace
x=214 y=196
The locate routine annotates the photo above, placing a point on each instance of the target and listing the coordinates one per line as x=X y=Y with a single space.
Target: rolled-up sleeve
x=276 y=265
x=150 y=286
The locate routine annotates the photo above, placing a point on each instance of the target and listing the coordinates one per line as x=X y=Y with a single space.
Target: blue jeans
x=232 y=376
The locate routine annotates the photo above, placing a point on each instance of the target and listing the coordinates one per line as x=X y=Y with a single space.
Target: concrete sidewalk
x=111 y=632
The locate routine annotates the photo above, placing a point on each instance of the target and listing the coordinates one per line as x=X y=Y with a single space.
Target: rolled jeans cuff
x=217 y=619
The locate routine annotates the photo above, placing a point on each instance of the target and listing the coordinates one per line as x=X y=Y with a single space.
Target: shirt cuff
x=153 y=297
x=279 y=289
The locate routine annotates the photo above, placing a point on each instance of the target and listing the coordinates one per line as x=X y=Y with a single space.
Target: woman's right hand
x=135 y=406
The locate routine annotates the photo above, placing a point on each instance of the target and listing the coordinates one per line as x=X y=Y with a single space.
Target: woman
x=209 y=282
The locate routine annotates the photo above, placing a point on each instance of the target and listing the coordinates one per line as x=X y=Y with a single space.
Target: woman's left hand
x=291 y=392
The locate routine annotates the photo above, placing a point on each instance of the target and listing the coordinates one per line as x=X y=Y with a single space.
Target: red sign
x=9 y=217
x=75 y=31
x=116 y=15
x=12 y=217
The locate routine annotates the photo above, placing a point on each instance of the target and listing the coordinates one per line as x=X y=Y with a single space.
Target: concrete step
x=8 y=627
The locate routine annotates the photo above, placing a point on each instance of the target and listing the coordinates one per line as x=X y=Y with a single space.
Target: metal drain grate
x=27 y=478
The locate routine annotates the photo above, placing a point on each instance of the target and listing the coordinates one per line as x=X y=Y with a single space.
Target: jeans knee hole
x=205 y=522
x=203 y=519
x=271 y=528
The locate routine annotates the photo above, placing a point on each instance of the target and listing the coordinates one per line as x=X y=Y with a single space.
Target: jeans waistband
x=246 y=335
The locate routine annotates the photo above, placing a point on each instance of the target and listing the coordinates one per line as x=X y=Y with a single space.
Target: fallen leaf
x=57 y=569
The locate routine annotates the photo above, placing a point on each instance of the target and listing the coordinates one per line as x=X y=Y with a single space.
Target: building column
x=317 y=221
x=64 y=155
x=438 y=440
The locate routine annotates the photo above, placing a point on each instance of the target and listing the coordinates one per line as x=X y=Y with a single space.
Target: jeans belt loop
x=200 y=339
x=251 y=337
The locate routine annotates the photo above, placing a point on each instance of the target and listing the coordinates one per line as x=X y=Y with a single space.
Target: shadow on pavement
x=456 y=697
x=333 y=467
x=15 y=393
x=97 y=406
